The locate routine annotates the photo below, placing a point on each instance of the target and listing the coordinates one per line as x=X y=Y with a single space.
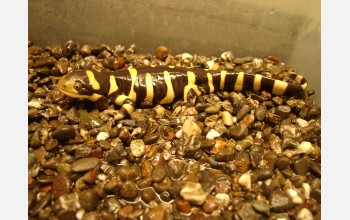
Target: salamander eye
x=77 y=85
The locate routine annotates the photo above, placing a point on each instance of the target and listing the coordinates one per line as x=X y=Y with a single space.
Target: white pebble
x=296 y=199
x=227 y=118
x=137 y=147
x=223 y=199
x=190 y=128
x=84 y=133
x=34 y=104
x=304 y=214
x=178 y=133
x=210 y=64
x=245 y=181
x=193 y=193
x=302 y=123
x=102 y=136
x=186 y=56
x=306 y=147
x=307 y=190
x=212 y=134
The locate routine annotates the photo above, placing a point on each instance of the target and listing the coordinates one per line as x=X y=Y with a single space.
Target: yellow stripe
x=304 y=86
x=112 y=85
x=191 y=78
x=171 y=66
x=210 y=83
x=239 y=82
x=222 y=79
x=257 y=82
x=279 y=87
x=298 y=78
x=93 y=82
x=149 y=88
x=128 y=107
x=170 y=95
x=120 y=99
x=133 y=75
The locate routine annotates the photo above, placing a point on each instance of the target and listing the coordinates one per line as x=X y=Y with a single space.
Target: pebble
x=148 y=195
x=70 y=202
x=304 y=214
x=89 y=199
x=296 y=199
x=183 y=206
x=176 y=168
x=243 y=112
x=193 y=193
x=102 y=136
x=212 y=134
x=64 y=133
x=302 y=166
x=306 y=147
x=39 y=205
x=280 y=201
x=85 y=164
x=129 y=190
x=302 y=123
x=158 y=174
x=261 y=207
x=283 y=111
x=210 y=204
x=137 y=147
x=61 y=185
x=124 y=212
x=162 y=52
x=156 y=213
x=151 y=138
x=227 y=118
x=260 y=112
x=213 y=109
x=190 y=128
x=223 y=200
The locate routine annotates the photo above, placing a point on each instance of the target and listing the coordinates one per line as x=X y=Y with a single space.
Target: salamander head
x=80 y=84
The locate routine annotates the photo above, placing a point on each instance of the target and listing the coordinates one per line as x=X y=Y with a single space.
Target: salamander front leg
x=127 y=106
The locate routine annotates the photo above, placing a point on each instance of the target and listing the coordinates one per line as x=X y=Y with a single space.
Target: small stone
x=246 y=211
x=39 y=205
x=302 y=123
x=302 y=166
x=124 y=212
x=156 y=213
x=137 y=147
x=227 y=118
x=213 y=109
x=223 y=200
x=296 y=199
x=261 y=207
x=193 y=193
x=162 y=52
x=210 y=204
x=148 y=195
x=283 y=162
x=306 y=147
x=280 y=202
x=102 y=136
x=212 y=134
x=283 y=111
x=183 y=206
x=190 y=128
x=64 y=133
x=176 y=168
x=158 y=174
x=69 y=202
x=225 y=154
x=129 y=190
x=263 y=173
x=85 y=164
x=151 y=138
x=243 y=112
x=89 y=199
x=61 y=185
x=304 y=214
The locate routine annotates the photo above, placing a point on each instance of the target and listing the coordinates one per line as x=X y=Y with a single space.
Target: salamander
x=164 y=84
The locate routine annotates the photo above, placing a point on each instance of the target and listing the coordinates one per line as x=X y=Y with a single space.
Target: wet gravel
x=249 y=155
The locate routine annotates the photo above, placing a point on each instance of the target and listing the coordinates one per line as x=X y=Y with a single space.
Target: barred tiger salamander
x=162 y=85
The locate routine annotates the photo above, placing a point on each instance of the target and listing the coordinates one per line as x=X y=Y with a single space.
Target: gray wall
x=290 y=30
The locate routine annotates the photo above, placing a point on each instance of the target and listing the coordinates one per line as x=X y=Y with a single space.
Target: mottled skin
x=148 y=86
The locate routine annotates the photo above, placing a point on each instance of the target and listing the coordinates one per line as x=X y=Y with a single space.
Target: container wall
x=289 y=30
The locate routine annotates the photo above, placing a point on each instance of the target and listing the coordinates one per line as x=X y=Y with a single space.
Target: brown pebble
x=162 y=52
x=61 y=185
x=85 y=164
x=156 y=213
x=148 y=195
x=89 y=199
x=183 y=206
x=124 y=212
